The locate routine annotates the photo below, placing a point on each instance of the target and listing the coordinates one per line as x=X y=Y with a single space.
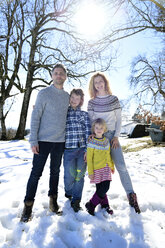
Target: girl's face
x=99 y=84
x=75 y=100
x=99 y=130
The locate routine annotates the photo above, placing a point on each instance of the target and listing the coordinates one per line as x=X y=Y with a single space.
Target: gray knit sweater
x=48 y=119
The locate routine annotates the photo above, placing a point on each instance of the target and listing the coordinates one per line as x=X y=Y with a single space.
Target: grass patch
x=148 y=144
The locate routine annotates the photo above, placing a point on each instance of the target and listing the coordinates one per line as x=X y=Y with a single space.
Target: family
x=59 y=127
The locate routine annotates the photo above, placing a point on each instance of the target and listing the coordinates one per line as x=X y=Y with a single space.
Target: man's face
x=58 y=76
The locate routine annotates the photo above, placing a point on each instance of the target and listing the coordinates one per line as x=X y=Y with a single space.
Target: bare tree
x=159 y=3
x=148 y=80
x=68 y=48
x=11 y=38
x=41 y=34
x=137 y=16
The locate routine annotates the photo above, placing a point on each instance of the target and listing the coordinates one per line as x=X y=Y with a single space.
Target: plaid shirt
x=78 y=128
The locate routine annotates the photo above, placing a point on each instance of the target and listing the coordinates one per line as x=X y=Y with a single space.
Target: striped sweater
x=108 y=108
x=98 y=155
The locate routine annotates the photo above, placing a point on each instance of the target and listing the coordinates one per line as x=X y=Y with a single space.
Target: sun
x=90 y=20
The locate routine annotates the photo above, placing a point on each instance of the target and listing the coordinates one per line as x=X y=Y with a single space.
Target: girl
x=100 y=166
x=105 y=105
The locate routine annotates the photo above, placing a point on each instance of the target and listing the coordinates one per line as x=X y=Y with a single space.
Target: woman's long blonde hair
x=92 y=90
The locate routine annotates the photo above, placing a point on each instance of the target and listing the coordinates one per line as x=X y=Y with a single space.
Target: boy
x=77 y=131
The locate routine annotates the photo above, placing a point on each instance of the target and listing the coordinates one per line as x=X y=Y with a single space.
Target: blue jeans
x=118 y=159
x=74 y=171
x=56 y=151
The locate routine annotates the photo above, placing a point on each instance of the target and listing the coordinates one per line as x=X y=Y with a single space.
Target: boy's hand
x=85 y=157
x=90 y=137
x=91 y=177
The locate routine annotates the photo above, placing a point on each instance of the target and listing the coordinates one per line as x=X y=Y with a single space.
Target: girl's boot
x=105 y=205
x=94 y=201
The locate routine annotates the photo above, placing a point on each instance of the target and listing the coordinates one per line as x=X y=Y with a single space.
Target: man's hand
x=35 y=149
x=115 y=142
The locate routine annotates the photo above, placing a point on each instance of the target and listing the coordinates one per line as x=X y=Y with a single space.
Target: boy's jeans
x=118 y=159
x=74 y=171
x=56 y=151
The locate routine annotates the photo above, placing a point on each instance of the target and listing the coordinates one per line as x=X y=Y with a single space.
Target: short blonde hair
x=78 y=92
x=101 y=122
x=92 y=90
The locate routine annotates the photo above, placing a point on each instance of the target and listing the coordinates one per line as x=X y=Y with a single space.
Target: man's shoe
x=27 y=211
x=53 y=206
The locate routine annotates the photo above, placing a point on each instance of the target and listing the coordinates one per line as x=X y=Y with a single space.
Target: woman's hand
x=114 y=142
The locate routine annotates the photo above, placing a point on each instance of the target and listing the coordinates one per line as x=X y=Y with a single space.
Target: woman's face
x=99 y=84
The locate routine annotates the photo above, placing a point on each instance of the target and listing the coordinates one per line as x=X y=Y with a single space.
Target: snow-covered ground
x=78 y=230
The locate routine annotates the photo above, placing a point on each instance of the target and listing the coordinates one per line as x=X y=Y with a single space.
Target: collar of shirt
x=72 y=109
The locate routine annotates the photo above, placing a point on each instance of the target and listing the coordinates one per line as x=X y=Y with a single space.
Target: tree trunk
x=23 y=116
x=3 y=126
x=28 y=89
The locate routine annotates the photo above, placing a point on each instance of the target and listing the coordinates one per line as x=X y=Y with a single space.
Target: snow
x=78 y=230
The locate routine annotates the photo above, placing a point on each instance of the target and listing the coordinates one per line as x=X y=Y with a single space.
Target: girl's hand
x=113 y=171
x=114 y=142
x=91 y=177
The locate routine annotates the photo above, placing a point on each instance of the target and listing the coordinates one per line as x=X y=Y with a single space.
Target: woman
x=106 y=106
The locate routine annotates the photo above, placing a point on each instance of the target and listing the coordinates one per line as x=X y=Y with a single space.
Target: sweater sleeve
x=90 y=154
x=118 y=122
x=35 y=119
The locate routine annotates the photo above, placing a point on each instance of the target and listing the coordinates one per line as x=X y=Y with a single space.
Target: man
x=47 y=136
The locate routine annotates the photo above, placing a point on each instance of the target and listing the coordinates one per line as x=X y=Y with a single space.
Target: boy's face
x=75 y=100
x=99 y=130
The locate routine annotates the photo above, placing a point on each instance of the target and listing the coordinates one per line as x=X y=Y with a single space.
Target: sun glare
x=90 y=20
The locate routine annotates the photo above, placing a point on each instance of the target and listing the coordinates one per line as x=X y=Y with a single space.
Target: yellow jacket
x=98 y=155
